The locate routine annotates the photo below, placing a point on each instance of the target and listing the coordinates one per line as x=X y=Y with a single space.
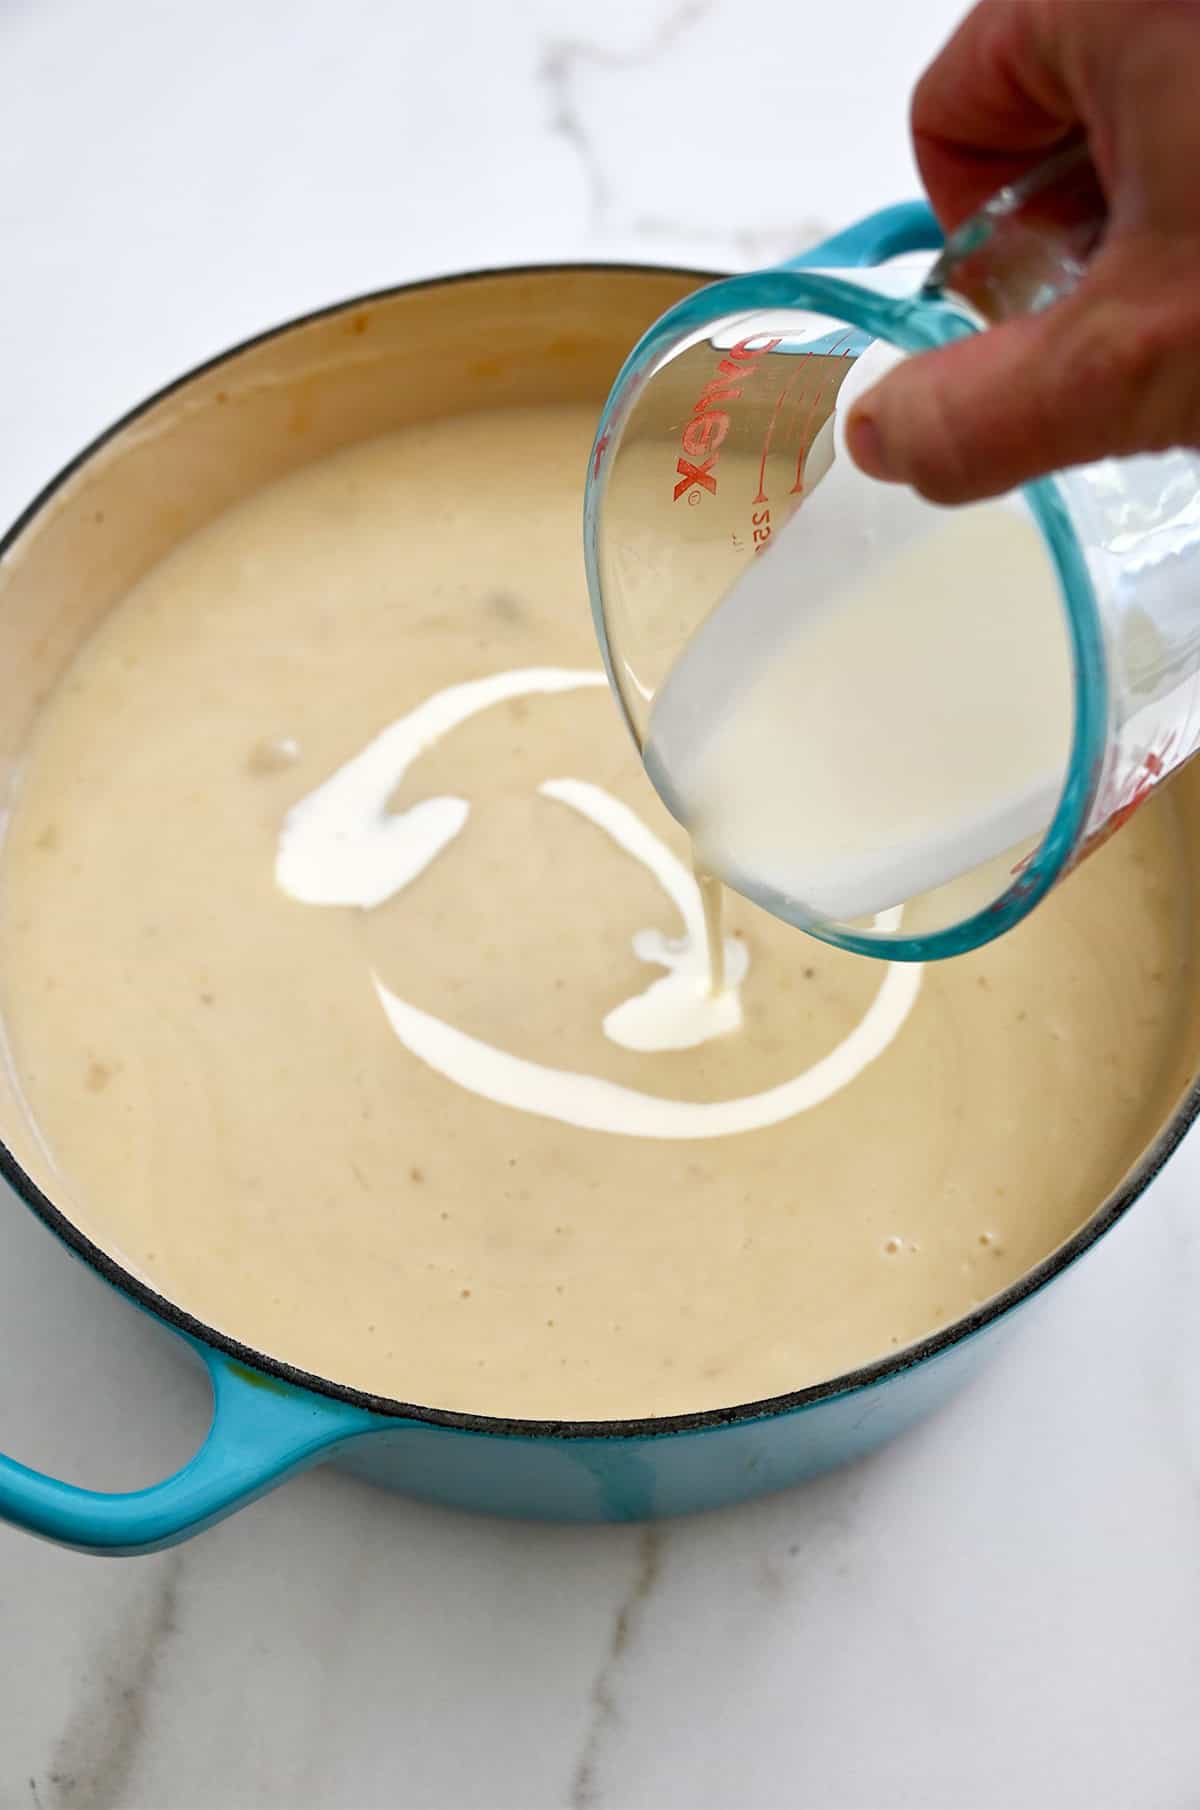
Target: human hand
x=1114 y=367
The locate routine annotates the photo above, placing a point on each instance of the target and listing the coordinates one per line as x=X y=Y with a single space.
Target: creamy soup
x=355 y=980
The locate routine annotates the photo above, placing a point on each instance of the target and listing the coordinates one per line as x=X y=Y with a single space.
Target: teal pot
x=368 y=366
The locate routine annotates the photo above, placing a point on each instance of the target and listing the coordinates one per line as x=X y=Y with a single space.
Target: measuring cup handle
x=1029 y=244
x=908 y=226
x=263 y=1430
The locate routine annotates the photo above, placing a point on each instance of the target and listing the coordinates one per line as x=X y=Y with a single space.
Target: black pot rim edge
x=866 y=1376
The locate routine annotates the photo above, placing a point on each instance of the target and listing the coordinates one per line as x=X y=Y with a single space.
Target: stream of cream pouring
x=339 y=846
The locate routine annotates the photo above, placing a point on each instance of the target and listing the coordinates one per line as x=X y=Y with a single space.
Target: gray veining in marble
x=591 y=132
x=556 y=71
x=606 y=1703
x=95 y=1756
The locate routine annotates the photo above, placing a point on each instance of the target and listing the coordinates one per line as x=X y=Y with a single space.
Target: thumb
x=1109 y=370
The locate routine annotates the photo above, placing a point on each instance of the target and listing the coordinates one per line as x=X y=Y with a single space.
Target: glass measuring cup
x=721 y=511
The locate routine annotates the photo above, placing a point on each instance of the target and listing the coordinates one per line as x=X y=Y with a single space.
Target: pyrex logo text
x=708 y=425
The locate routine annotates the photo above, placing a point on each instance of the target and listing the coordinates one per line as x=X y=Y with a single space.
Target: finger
x=1146 y=84
x=991 y=104
x=1107 y=371
x=1019 y=77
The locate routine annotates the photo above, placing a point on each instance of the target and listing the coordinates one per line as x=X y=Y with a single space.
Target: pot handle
x=262 y=1431
x=908 y=226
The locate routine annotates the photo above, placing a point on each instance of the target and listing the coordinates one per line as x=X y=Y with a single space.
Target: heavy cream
x=342 y=846
x=356 y=981
x=882 y=703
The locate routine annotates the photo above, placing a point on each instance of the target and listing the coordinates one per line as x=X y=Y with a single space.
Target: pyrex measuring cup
x=721 y=510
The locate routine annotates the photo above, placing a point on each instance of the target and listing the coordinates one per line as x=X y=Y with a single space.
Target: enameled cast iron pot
x=474 y=342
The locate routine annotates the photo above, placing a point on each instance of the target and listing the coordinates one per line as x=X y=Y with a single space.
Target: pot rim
x=864 y=1376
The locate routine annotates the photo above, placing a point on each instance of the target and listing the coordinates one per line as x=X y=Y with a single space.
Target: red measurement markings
x=785 y=392
x=1135 y=791
x=824 y=394
x=822 y=400
x=1125 y=798
x=601 y=446
x=760 y=522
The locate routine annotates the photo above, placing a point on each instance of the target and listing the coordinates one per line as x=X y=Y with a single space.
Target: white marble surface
x=1002 y=1612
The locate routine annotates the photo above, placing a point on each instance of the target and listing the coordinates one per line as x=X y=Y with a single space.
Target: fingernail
x=865 y=444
